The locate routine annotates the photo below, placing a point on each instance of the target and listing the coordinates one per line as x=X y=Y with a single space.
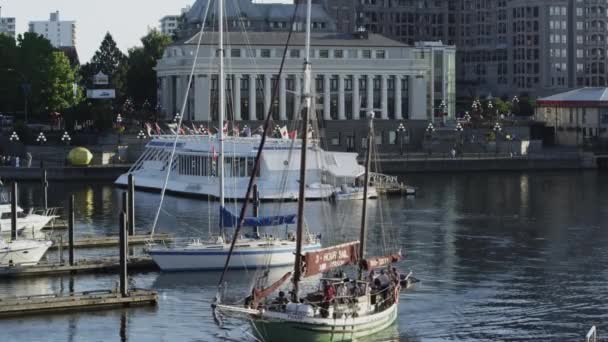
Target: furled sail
x=372 y=263
x=327 y=259
x=229 y=220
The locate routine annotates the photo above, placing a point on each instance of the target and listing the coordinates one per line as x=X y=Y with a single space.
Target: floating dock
x=141 y=264
x=52 y=303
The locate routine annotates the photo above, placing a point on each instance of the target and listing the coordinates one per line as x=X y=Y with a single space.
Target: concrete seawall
x=400 y=166
x=93 y=173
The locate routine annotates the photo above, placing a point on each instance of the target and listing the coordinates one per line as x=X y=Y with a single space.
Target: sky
x=126 y=20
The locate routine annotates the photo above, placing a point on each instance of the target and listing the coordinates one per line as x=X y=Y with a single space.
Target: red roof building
x=577 y=116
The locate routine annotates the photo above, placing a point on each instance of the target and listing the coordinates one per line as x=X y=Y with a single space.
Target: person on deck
x=328 y=297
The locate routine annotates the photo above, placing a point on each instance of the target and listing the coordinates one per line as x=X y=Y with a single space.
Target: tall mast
x=297 y=274
x=363 y=233
x=222 y=93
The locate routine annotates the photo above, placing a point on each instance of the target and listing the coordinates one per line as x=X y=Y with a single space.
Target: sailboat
x=342 y=309
x=254 y=250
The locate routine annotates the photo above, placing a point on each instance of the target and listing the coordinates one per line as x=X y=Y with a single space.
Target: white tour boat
x=195 y=162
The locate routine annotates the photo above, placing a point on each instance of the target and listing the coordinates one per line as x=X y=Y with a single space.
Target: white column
x=297 y=97
x=326 y=97
x=370 y=93
x=341 y=114
x=236 y=99
x=356 y=100
x=179 y=96
x=267 y=93
x=252 y=97
x=202 y=100
x=398 y=103
x=384 y=99
x=283 y=97
x=165 y=96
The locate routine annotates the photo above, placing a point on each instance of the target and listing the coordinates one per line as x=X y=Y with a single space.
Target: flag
x=293 y=135
x=236 y=131
x=213 y=153
x=225 y=129
x=284 y=132
x=148 y=129
x=181 y=131
x=158 y=130
x=195 y=130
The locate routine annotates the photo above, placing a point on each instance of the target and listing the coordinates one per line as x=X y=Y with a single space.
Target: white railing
x=592 y=335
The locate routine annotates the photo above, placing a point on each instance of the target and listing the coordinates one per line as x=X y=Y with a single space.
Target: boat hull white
x=205 y=258
x=23 y=252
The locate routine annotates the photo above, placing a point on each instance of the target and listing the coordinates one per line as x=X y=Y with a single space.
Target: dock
x=140 y=264
x=52 y=303
x=112 y=241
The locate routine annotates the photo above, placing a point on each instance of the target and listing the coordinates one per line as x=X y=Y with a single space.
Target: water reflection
x=503 y=256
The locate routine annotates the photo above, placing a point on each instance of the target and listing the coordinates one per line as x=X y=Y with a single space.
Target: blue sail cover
x=230 y=221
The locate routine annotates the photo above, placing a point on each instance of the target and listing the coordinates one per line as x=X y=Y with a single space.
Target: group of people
x=16 y=161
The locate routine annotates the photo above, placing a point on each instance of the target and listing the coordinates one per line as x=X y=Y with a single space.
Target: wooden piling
x=256 y=207
x=71 y=229
x=123 y=246
x=131 y=205
x=45 y=187
x=14 y=199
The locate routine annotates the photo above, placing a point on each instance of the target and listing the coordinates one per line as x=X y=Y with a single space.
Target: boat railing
x=592 y=334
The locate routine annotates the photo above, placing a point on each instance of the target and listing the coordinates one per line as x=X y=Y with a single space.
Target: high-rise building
x=170 y=23
x=505 y=47
x=59 y=33
x=7 y=25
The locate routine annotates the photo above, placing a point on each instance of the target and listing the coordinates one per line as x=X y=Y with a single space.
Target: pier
x=122 y=296
x=111 y=241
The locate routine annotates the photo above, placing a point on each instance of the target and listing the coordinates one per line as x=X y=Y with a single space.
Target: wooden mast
x=297 y=274
x=362 y=234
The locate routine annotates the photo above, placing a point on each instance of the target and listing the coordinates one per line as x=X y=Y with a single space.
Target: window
x=367 y=54
x=392 y=137
x=339 y=53
x=335 y=141
x=265 y=53
x=294 y=53
x=235 y=53
x=380 y=54
x=323 y=53
x=378 y=139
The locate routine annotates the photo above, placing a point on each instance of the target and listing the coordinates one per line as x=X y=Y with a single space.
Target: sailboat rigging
x=217 y=252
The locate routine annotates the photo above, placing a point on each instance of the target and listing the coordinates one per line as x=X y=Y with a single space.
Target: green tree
x=141 y=85
x=503 y=107
x=61 y=91
x=109 y=57
x=33 y=63
x=9 y=78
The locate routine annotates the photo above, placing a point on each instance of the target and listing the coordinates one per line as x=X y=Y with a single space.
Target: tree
x=109 y=60
x=33 y=63
x=9 y=78
x=141 y=77
x=61 y=92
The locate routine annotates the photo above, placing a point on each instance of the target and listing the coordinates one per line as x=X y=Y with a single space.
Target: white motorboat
x=22 y=252
x=354 y=193
x=26 y=222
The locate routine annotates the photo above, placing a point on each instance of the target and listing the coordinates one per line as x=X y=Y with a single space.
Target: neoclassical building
x=352 y=72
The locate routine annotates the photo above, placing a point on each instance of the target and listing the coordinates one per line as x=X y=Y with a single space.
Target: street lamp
x=429 y=130
x=119 y=126
x=401 y=131
x=467 y=116
x=66 y=138
x=14 y=137
x=141 y=135
x=515 y=102
x=177 y=118
x=497 y=129
x=41 y=138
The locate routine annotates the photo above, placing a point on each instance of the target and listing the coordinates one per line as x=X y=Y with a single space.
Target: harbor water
x=500 y=256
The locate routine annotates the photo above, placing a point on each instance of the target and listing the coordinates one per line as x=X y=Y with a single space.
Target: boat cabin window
x=206 y=166
x=5 y=216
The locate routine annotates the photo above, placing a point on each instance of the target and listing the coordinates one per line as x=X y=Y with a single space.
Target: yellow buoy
x=80 y=156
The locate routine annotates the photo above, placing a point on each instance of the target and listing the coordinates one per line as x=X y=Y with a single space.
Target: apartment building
x=59 y=33
x=7 y=25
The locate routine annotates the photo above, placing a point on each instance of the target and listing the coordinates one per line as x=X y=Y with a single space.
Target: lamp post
x=41 y=139
x=467 y=117
x=119 y=127
x=177 y=118
x=65 y=138
x=459 y=129
x=515 y=102
x=429 y=130
x=401 y=132
x=497 y=129
x=442 y=108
